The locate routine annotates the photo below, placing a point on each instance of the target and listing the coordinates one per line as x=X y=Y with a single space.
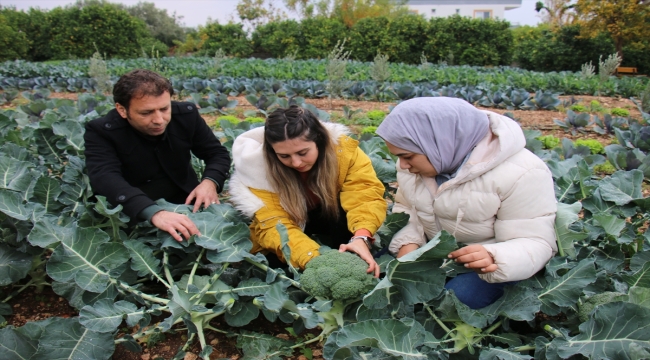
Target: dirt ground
x=30 y=306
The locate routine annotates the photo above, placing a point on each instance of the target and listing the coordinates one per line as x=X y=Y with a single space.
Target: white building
x=481 y=9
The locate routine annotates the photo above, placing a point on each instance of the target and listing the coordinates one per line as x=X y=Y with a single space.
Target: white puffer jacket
x=501 y=198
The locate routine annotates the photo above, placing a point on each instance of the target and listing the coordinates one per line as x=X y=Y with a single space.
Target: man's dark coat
x=120 y=160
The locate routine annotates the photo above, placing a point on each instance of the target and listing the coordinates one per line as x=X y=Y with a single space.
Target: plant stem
x=145 y=333
x=442 y=325
x=168 y=273
x=493 y=327
x=523 y=348
x=190 y=281
x=266 y=268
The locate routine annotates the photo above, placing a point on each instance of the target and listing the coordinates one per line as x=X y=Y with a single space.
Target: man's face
x=149 y=115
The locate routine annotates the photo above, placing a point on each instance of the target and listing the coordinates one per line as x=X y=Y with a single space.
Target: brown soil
x=29 y=306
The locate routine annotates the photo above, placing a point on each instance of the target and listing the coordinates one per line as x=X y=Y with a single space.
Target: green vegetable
x=594 y=145
x=590 y=304
x=549 y=141
x=255 y=120
x=605 y=167
x=230 y=118
x=620 y=112
x=579 y=108
x=369 y=130
x=337 y=275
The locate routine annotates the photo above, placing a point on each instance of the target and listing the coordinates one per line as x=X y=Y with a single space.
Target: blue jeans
x=474 y=292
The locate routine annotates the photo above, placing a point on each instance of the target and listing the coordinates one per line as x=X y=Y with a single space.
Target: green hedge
x=403 y=39
x=542 y=49
x=231 y=38
x=77 y=32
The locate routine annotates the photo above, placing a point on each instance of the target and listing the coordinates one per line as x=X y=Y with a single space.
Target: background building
x=481 y=9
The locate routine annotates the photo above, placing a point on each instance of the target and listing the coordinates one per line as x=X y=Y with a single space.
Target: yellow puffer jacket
x=361 y=194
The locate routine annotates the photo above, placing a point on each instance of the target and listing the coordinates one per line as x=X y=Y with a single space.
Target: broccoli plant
x=574 y=122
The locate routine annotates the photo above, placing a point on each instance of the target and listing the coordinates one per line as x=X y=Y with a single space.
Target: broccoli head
x=337 y=275
x=590 y=304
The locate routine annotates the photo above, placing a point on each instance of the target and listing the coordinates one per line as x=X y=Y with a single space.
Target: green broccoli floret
x=590 y=304
x=337 y=275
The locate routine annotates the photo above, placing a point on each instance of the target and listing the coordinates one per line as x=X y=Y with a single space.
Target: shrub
x=230 y=37
x=77 y=32
x=13 y=44
x=620 y=112
x=472 y=41
x=367 y=37
x=35 y=25
x=277 y=39
x=594 y=145
x=319 y=36
x=541 y=48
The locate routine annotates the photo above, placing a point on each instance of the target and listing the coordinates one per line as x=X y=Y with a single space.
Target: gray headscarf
x=444 y=129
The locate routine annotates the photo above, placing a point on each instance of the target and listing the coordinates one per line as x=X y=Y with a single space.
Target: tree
x=558 y=12
x=161 y=25
x=348 y=11
x=253 y=13
x=627 y=21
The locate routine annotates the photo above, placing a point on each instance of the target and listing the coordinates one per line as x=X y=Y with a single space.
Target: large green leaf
x=640 y=296
x=415 y=277
x=14 y=265
x=46 y=192
x=566 y=238
x=640 y=278
x=495 y=353
x=393 y=223
x=622 y=187
x=261 y=346
x=564 y=291
x=67 y=339
x=72 y=131
x=612 y=224
x=609 y=333
x=105 y=316
x=15 y=174
x=48 y=231
x=15 y=345
x=400 y=339
x=519 y=303
x=86 y=257
x=142 y=258
x=11 y=203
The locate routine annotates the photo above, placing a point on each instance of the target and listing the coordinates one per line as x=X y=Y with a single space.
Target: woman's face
x=297 y=154
x=414 y=163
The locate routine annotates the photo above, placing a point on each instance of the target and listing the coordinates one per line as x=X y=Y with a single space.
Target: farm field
x=110 y=290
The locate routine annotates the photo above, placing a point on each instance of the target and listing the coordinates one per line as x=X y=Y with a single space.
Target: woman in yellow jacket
x=312 y=178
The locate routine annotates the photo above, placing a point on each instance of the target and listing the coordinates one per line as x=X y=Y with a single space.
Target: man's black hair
x=139 y=83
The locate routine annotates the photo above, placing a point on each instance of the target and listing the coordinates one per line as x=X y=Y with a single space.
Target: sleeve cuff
x=148 y=212
x=213 y=180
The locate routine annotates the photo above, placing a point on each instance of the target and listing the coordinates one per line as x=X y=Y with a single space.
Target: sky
x=197 y=12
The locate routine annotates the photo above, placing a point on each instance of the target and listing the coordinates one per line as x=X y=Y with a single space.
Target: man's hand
x=174 y=224
x=360 y=248
x=204 y=194
x=475 y=257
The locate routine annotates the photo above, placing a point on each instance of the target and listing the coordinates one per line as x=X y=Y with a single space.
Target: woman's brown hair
x=298 y=123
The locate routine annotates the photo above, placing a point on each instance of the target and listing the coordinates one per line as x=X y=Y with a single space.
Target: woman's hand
x=407 y=249
x=360 y=248
x=475 y=257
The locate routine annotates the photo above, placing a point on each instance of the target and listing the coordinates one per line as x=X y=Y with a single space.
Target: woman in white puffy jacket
x=467 y=171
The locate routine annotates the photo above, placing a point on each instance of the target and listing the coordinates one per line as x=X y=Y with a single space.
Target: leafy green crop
x=56 y=233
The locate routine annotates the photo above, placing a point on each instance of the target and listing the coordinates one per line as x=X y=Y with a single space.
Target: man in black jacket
x=140 y=152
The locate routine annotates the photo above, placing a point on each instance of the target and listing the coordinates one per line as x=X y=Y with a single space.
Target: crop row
x=591 y=300
x=568 y=83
